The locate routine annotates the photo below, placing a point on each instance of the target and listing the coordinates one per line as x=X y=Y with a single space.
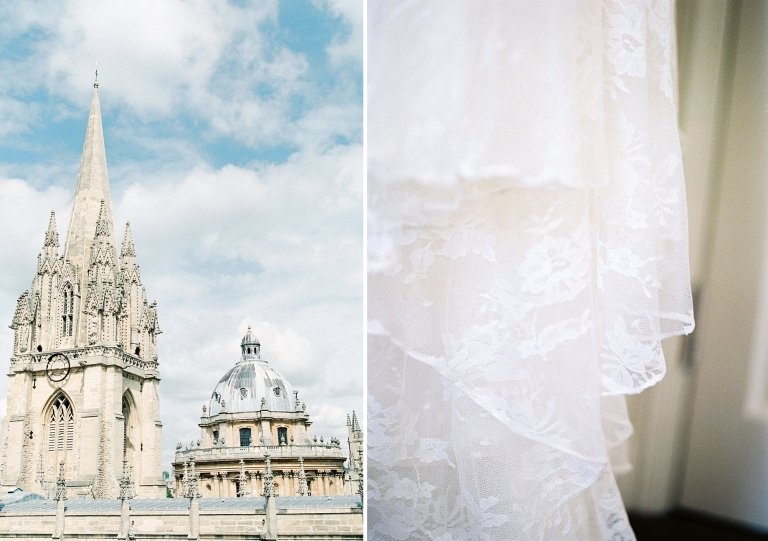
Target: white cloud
x=351 y=11
x=277 y=245
x=208 y=59
x=24 y=214
x=15 y=116
x=278 y=248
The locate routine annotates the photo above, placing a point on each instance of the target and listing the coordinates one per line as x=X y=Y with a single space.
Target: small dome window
x=277 y=391
x=243 y=393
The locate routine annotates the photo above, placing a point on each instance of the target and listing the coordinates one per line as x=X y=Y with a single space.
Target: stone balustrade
x=201 y=454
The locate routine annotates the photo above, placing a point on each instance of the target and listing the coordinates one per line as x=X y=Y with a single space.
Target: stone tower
x=356 y=449
x=83 y=378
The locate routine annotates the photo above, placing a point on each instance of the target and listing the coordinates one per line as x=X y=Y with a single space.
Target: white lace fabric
x=527 y=254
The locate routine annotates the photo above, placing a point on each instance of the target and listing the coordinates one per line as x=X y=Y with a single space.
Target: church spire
x=92 y=190
x=52 y=236
x=127 y=249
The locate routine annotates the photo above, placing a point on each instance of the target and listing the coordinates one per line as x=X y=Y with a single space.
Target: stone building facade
x=83 y=378
x=253 y=413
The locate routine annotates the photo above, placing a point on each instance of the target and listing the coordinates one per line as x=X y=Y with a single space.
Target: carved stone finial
x=269 y=479
x=303 y=488
x=61 y=484
x=360 y=485
x=96 y=78
x=126 y=483
x=40 y=475
x=242 y=481
x=51 y=235
x=104 y=223
x=128 y=249
x=189 y=481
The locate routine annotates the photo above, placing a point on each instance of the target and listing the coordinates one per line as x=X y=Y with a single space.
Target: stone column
x=191 y=485
x=60 y=497
x=270 y=504
x=126 y=493
x=194 y=518
x=254 y=488
x=323 y=485
x=125 y=519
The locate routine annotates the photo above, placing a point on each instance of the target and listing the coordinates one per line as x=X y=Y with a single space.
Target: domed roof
x=252 y=384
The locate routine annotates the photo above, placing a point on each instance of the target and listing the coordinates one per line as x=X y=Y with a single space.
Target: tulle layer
x=527 y=253
x=502 y=325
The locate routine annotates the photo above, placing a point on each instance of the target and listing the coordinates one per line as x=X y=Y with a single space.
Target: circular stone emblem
x=57 y=368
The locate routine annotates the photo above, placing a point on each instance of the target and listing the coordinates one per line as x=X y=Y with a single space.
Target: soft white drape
x=527 y=254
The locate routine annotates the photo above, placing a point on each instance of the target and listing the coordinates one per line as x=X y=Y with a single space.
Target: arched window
x=282 y=435
x=126 y=427
x=61 y=425
x=68 y=311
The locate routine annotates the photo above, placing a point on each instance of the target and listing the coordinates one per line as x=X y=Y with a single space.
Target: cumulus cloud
x=226 y=234
x=277 y=247
x=218 y=61
x=351 y=46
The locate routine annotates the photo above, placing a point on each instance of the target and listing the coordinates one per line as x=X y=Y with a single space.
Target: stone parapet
x=200 y=455
x=298 y=518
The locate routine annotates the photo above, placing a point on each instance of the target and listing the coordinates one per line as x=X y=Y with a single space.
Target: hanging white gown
x=528 y=248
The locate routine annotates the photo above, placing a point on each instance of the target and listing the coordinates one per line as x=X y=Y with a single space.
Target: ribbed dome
x=248 y=382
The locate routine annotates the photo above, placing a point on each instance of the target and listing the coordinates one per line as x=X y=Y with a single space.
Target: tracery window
x=61 y=425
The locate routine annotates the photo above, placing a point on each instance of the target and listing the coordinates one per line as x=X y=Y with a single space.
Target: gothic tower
x=83 y=378
x=355 y=443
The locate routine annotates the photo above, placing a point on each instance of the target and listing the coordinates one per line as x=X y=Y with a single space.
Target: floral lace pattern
x=527 y=254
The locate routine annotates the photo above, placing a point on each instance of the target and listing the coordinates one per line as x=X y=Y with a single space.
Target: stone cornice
x=257 y=452
x=259 y=415
x=85 y=356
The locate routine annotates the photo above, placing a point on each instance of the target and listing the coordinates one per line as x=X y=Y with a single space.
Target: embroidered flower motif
x=461 y=241
x=632 y=360
x=555 y=268
x=626 y=45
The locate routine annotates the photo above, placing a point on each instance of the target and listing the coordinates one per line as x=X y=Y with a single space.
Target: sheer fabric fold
x=527 y=253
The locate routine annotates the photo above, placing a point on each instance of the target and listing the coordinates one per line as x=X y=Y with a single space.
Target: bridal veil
x=528 y=248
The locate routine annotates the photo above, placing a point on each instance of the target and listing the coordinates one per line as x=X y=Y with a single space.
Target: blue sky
x=234 y=146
